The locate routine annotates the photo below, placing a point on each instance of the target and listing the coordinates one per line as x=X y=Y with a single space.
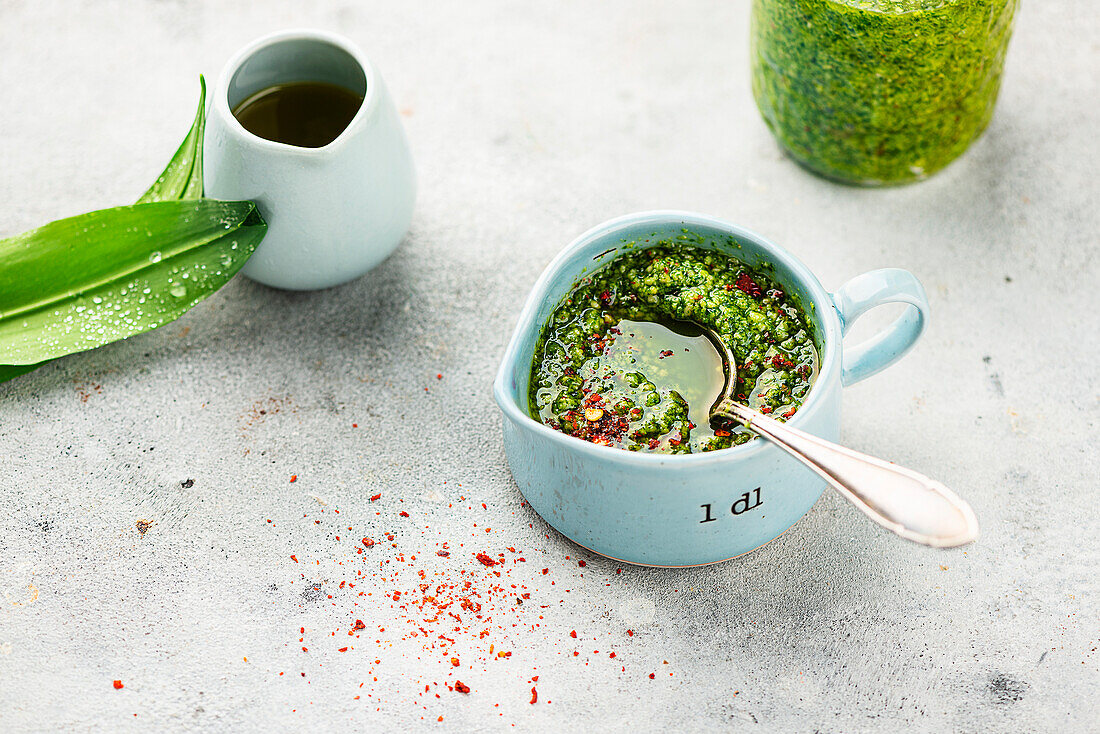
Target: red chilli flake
x=748 y=285
x=294 y=558
x=781 y=362
x=117 y=684
x=403 y=514
x=376 y=497
x=436 y=610
x=582 y=564
x=573 y=634
x=293 y=478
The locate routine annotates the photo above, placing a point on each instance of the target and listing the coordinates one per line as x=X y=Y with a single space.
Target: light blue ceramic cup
x=662 y=510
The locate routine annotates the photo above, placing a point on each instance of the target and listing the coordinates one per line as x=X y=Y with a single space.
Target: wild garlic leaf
x=182 y=179
x=11 y=371
x=95 y=278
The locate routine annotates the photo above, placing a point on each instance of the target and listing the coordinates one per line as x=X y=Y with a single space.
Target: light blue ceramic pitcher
x=334 y=212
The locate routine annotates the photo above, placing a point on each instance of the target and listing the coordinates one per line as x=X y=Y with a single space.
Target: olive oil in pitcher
x=303 y=114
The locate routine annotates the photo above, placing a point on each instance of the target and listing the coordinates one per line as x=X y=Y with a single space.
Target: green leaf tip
x=182 y=178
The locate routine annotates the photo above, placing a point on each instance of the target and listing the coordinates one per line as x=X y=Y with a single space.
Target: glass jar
x=877 y=92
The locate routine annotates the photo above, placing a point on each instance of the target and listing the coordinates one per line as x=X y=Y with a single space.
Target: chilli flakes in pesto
x=593 y=376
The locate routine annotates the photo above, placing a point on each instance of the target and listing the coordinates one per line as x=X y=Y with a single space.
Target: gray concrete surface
x=530 y=123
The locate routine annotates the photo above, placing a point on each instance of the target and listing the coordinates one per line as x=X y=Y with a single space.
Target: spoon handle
x=901 y=500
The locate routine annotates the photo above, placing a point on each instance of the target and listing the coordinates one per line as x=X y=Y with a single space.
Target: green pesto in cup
x=878 y=92
x=619 y=363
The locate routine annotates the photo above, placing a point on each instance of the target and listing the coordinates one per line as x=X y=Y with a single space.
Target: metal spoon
x=901 y=500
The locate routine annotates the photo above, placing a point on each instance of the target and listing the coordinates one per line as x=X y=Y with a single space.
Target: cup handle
x=861 y=294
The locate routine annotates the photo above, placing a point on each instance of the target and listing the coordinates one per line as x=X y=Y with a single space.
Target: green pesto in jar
x=607 y=369
x=878 y=92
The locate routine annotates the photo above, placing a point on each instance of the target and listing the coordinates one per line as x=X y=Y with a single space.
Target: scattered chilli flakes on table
x=457 y=605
